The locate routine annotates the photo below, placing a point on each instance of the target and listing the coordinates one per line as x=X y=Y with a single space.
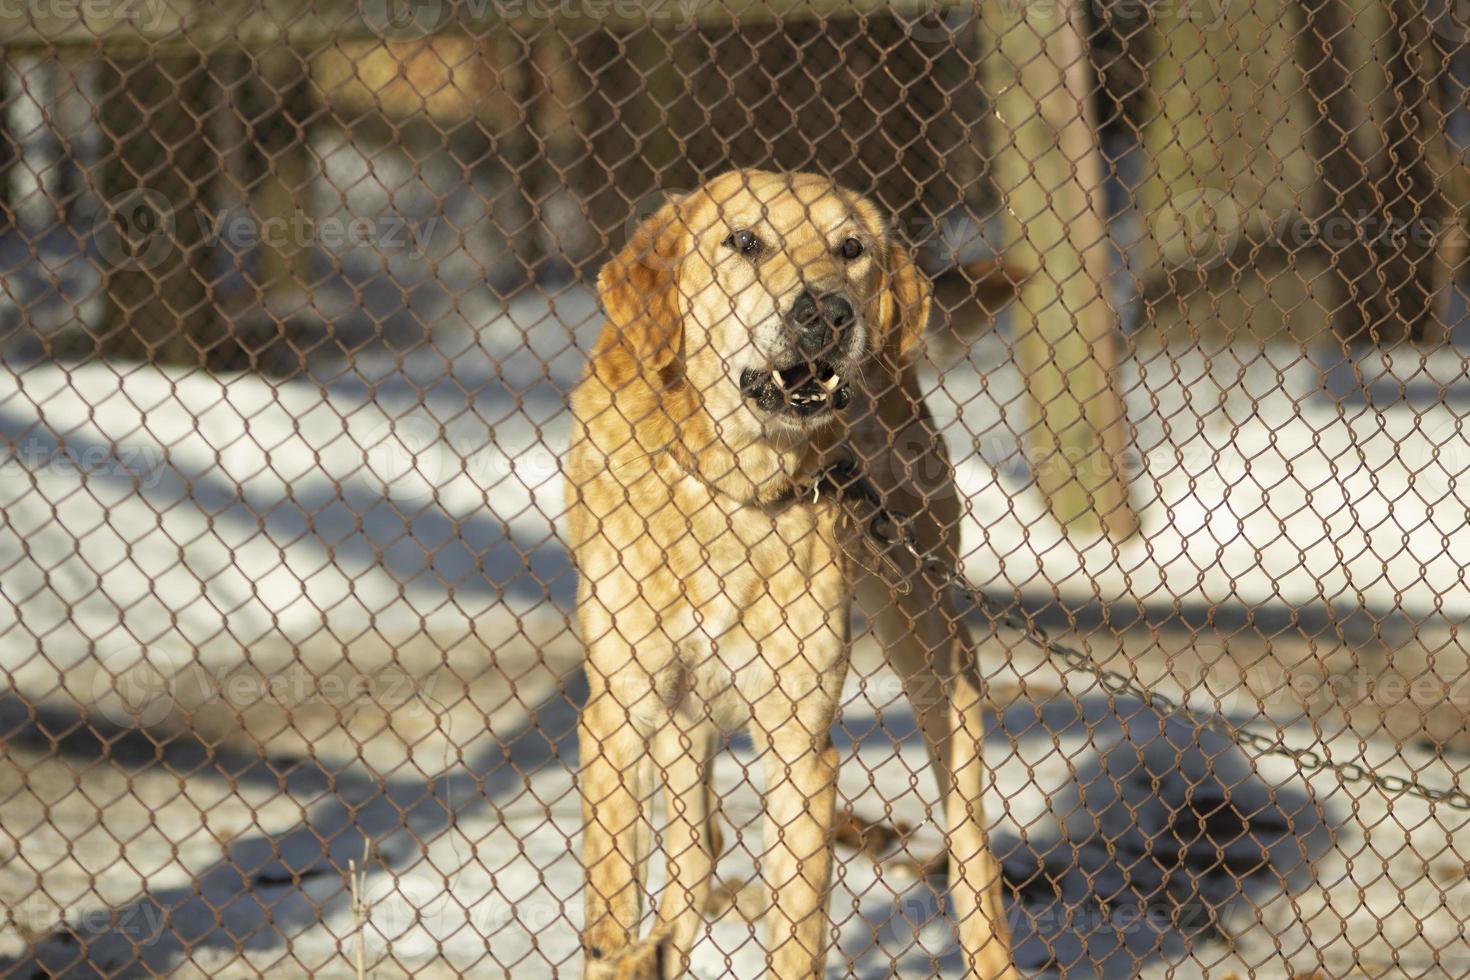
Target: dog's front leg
x=800 y=762
x=615 y=778
x=683 y=750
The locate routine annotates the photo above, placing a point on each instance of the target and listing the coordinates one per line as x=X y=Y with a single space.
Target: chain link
x=888 y=528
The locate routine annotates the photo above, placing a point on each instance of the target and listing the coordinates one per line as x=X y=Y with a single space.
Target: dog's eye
x=744 y=242
x=850 y=249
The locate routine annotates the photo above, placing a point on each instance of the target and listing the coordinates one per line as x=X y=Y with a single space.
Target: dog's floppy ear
x=907 y=299
x=639 y=289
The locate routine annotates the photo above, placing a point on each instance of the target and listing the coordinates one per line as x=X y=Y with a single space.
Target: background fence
x=293 y=298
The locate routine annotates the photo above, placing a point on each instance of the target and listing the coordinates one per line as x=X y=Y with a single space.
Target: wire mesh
x=421 y=553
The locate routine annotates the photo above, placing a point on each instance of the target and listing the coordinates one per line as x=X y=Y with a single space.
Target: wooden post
x=159 y=294
x=630 y=153
x=1365 y=280
x=9 y=146
x=517 y=151
x=1049 y=174
x=281 y=194
x=1345 y=199
x=562 y=147
x=1298 y=193
x=33 y=83
x=1412 y=161
x=1224 y=176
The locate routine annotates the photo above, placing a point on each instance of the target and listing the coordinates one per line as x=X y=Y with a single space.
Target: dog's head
x=766 y=293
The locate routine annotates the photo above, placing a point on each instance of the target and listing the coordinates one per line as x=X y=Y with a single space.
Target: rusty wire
x=294 y=296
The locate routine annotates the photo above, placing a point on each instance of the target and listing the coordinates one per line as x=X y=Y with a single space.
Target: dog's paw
x=653 y=958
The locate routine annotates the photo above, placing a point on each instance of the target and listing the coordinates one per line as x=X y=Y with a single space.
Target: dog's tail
x=967 y=300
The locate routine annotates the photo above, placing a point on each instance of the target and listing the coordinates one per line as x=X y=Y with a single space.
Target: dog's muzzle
x=820 y=330
x=805 y=389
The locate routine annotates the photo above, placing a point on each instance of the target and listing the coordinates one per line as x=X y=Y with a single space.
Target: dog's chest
x=764 y=610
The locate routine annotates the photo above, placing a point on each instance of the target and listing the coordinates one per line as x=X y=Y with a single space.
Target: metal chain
x=888 y=528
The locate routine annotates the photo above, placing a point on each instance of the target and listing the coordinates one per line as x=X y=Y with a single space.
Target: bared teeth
x=780 y=382
x=831 y=383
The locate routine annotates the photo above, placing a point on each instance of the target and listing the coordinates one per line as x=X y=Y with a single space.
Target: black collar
x=840 y=480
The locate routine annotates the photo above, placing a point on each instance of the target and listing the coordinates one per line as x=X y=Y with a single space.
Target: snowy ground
x=338 y=606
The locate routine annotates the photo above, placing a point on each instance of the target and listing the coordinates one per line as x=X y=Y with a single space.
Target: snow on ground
x=1263 y=476
x=376 y=490
x=395 y=525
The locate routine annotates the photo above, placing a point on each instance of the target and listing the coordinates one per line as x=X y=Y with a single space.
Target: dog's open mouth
x=804 y=389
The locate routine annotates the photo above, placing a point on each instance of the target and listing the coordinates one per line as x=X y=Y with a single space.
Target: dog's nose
x=820 y=320
x=837 y=311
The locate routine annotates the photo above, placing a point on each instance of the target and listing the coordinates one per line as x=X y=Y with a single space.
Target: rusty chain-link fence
x=292 y=510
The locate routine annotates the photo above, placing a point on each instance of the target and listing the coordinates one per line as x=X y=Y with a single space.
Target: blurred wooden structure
x=616 y=104
x=1248 y=122
x=1300 y=192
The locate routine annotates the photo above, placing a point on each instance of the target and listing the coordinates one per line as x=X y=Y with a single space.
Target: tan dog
x=759 y=328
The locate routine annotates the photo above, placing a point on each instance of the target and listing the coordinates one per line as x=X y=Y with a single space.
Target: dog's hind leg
x=615 y=780
x=683 y=751
x=932 y=652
